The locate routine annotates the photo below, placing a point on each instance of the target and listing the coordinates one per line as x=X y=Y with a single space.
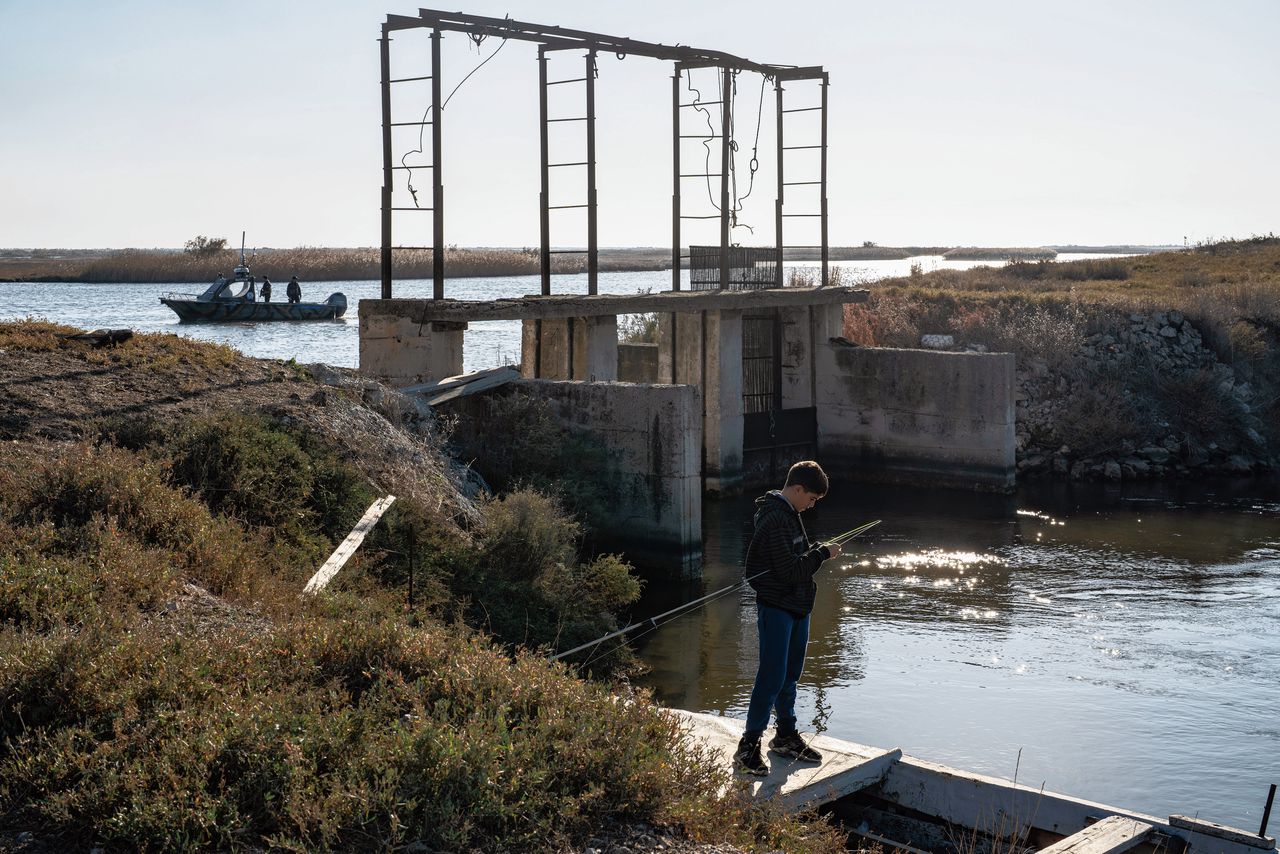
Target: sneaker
x=748 y=760
x=793 y=746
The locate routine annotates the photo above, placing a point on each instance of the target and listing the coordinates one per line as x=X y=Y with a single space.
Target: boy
x=785 y=561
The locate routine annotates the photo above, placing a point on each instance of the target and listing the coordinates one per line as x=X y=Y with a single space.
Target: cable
x=478 y=40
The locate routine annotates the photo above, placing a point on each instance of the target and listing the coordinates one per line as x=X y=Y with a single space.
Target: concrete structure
x=652 y=474
x=775 y=382
x=915 y=416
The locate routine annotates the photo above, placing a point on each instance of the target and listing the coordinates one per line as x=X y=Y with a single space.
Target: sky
x=144 y=123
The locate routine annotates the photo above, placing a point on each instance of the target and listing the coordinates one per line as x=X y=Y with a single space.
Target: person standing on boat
x=781 y=563
x=294 y=290
x=266 y=289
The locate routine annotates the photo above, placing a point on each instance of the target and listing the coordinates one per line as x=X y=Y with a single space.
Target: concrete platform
x=846 y=767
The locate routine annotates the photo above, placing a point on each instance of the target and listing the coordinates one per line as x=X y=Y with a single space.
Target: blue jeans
x=783 y=640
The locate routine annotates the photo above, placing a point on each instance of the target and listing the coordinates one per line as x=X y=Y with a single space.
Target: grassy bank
x=163 y=686
x=1154 y=365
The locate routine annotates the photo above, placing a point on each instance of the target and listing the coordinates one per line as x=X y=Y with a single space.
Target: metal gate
x=771 y=435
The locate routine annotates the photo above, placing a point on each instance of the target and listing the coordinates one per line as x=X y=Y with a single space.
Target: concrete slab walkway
x=846 y=767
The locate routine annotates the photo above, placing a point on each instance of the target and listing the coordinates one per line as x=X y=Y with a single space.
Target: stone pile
x=1169 y=345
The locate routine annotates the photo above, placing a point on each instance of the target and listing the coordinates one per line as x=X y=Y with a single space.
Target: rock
x=1176 y=318
x=1168 y=332
x=1137 y=318
x=937 y=342
x=1238 y=464
x=1078 y=470
x=24 y=837
x=1127 y=472
x=1061 y=466
x=1111 y=471
x=1255 y=437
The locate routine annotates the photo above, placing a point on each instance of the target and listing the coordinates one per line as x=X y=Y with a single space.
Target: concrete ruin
x=741 y=384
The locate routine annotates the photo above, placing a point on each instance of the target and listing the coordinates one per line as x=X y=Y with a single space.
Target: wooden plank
x=348 y=546
x=447 y=383
x=1112 y=835
x=490 y=382
x=846 y=767
x=1221 y=831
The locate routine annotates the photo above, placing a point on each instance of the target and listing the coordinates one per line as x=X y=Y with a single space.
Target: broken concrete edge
x=564 y=306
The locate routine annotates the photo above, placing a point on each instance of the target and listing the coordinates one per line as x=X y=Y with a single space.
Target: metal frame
x=551 y=38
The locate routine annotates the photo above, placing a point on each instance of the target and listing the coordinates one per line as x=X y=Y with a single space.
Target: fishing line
x=656 y=622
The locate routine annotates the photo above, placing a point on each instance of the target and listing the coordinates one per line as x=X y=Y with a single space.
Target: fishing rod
x=653 y=623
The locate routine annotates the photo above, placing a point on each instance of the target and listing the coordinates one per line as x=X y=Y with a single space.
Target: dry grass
x=310 y=264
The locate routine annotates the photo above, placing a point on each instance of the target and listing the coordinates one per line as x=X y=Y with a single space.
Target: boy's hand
x=834 y=549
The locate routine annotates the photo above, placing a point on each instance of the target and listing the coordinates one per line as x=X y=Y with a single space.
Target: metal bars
x=549 y=38
x=780 y=214
x=592 y=251
x=389 y=168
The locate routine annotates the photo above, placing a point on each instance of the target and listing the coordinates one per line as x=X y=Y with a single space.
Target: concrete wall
x=400 y=351
x=915 y=416
x=653 y=473
x=637 y=363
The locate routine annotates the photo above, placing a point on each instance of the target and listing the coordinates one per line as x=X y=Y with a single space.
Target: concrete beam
x=560 y=306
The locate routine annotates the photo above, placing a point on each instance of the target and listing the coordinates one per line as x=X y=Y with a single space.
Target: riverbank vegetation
x=1157 y=365
x=164 y=686
x=205 y=257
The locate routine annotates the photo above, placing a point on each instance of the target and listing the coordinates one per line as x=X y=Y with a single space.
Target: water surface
x=1119 y=646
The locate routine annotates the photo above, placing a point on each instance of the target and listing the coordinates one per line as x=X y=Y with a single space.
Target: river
x=1118 y=645
x=1121 y=645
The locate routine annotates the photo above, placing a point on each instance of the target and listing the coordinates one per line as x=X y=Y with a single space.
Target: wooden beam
x=1112 y=835
x=348 y=547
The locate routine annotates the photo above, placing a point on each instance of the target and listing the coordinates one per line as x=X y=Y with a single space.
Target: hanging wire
x=477 y=39
x=706 y=143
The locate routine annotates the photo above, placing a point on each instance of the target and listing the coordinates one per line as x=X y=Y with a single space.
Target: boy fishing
x=781 y=563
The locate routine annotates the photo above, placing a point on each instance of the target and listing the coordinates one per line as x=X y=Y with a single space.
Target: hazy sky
x=143 y=123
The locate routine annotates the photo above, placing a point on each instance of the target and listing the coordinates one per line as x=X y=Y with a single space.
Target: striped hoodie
x=780 y=549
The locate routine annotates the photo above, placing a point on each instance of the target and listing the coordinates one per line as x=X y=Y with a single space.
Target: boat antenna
x=653 y=623
x=242 y=264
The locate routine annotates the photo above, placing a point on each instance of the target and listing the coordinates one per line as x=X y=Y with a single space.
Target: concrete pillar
x=666 y=347
x=797 y=356
x=722 y=396
x=400 y=351
x=555 y=349
x=570 y=348
x=595 y=348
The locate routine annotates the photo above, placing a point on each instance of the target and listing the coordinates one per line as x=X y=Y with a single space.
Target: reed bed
x=308 y=263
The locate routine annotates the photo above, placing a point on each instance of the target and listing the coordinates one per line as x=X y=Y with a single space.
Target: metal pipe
x=726 y=122
x=675 y=180
x=1266 y=811
x=437 y=175
x=384 y=49
x=544 y=197
x=826 y=81
x=593 y=255
x=782 y=188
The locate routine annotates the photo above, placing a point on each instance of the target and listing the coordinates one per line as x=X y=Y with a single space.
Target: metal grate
x=750 y=268
x=760 y=363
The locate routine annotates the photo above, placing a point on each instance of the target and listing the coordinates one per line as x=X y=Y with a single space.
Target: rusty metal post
x=437 y=175
x=826 y=81
x=675 y=180
x=593 y=255
x=387 y=174
x=777 y=255
x=545 y=196
x=726 y=131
